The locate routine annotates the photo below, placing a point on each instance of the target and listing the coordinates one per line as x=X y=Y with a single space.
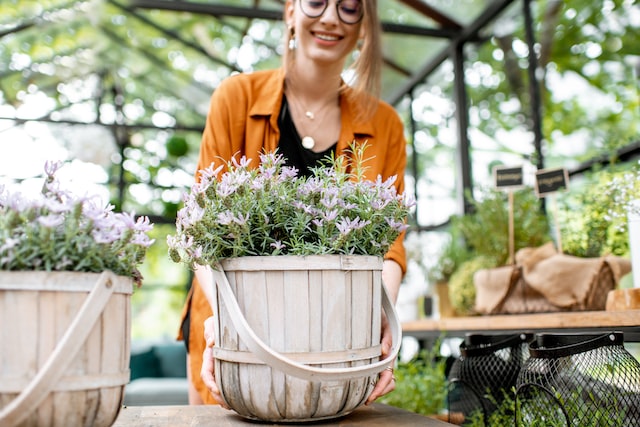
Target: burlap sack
x=543 y=280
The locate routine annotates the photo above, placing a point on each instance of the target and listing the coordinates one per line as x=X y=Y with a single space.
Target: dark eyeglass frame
x=326 y=5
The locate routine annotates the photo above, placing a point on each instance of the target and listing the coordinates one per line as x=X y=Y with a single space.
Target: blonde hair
x=366 y=68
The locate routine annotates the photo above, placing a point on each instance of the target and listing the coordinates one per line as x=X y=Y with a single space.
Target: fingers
x=208 y=331
x=386 y=338
x=386 y=384
x=386 y=380
x=207 y=372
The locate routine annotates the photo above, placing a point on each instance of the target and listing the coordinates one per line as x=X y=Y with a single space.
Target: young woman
x=306 y=111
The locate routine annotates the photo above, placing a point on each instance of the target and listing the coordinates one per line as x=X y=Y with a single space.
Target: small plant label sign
x=508 y=177
x=549 y=181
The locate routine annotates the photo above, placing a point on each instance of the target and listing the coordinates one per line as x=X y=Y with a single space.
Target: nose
x=330 y=13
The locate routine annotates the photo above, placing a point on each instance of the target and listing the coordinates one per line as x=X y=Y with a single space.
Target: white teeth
x=326 y=37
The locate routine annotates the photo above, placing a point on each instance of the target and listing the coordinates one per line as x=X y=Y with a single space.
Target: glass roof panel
x=145 y=69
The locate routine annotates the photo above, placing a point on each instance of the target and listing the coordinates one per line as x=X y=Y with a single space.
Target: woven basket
x=65 y=346
x=298 y=338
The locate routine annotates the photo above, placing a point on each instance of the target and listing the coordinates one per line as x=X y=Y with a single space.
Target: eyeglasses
x=349 y=11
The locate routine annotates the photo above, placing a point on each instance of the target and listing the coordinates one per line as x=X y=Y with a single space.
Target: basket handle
x=56 y=364
x=291 y=367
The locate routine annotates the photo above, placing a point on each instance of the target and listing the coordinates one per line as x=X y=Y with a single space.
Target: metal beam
x=20 y=121
x=276 y=15
x=464 y=172
x=433 y=13
x=534 y=85
x=173 y=35
x=209 y=9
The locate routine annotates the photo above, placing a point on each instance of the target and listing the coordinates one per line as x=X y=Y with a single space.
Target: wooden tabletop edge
x=589 y=319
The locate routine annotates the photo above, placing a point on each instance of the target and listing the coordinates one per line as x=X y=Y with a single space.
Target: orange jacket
x=243 y=120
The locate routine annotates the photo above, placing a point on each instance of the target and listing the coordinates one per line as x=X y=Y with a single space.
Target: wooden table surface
x=375 y=415
x=627 y=321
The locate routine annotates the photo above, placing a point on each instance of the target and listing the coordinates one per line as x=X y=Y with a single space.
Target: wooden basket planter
x=64 y=358
x=298 y=338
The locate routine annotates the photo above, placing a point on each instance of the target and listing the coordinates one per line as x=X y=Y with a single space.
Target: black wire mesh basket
x=485 y=372
x=579 y=380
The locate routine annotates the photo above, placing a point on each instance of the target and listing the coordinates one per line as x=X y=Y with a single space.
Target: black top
x=290 y=145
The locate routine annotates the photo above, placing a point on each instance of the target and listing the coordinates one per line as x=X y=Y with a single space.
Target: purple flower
x=142 y=240
x=258 y=183
x=105 y=236
x=346 y=225
x=197 y=252
x=268 y=172
x=9 y=243
x=209 y=173
x=288 y=172
x=50 y=221
x=409 y=200
x=397 y=225
x=330 y=215
x=225 y=218
x=271 y=158
x=243 y=163
x=379 y=204
x=241 y=219
x=329 y=202
x=277 y=245
x=127 y=219
x=225 y=188
x=92 y=210
x=308 y=209
x=51 y=167
x=143 y=224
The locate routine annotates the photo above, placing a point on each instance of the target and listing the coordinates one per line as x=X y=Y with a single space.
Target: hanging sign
x=508 y=177
x=551 y=180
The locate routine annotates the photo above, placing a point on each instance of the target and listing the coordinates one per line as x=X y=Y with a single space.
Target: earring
x=293 y=43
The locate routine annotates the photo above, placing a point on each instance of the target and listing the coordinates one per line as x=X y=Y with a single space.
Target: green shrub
x=462 y=291
x=486 y=230
x=421 y=383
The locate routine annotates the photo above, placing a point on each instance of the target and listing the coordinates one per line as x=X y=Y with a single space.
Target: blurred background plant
x=481 y=240
x=421 y=383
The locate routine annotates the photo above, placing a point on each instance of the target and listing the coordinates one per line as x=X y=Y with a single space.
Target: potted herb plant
x=480 y=239
x=296 y=256
x=67 y=269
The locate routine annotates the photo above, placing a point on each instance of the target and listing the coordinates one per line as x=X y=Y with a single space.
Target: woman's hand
x=391 y=277
x=207 y=372
x=386 y=381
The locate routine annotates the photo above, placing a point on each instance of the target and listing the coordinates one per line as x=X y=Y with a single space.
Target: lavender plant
x=270 y=210
x=62 y=232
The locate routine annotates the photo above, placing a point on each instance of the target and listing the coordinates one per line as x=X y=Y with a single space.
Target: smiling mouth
x=327 y=37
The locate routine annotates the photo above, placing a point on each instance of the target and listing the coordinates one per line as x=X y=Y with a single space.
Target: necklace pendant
x=308 y=142
x=310 y=115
